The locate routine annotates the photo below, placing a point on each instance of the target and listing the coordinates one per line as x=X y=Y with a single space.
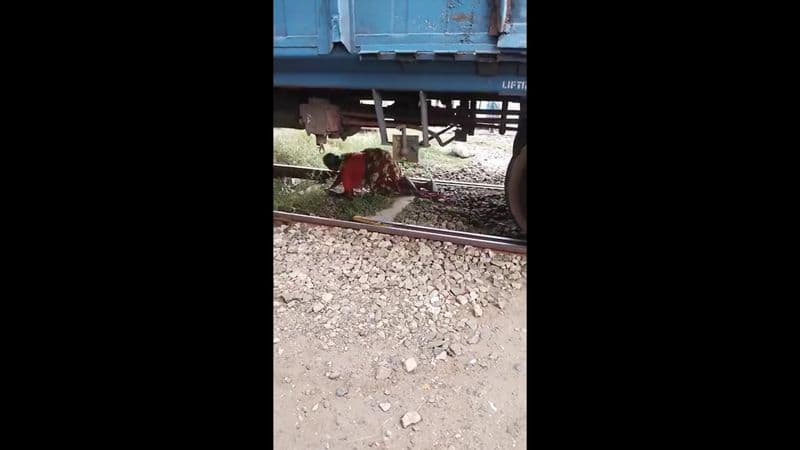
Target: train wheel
x=520 y=140
x=517 y=188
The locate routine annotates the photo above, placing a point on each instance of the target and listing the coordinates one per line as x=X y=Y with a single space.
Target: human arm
x=405 y=182
x=336 y=182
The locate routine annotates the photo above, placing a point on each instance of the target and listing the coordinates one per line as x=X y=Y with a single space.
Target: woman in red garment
x=371 y=168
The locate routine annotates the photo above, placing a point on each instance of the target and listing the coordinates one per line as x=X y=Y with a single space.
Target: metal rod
x=442 y=144
x=495 y=187
x=476 y=120
x=432 y=121
x=423 y=110
x=458 y=233
x=490 y=126
x=376 y=97
x=503 y=123
x=283 y=170
x=484 y=241
x=312 y=173
x=433 y=112
x=445 y=130
x=438 y=139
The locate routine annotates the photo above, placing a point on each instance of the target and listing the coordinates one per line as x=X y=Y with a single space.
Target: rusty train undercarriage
x=337 y=114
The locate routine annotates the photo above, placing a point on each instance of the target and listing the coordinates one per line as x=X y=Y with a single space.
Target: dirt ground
x=350 y=309
x=476 y=400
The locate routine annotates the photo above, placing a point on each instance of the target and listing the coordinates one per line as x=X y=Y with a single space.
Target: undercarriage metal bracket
x=438 y=138
x=322 y=119
x=376 y=97
x=423 y=111
x=404 y=146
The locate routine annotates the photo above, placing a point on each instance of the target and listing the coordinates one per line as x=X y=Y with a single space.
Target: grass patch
x=434 y=157
x=294 y=147
x=309 y=197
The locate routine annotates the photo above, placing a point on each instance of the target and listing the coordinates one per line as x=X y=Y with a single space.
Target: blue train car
x=340 y=65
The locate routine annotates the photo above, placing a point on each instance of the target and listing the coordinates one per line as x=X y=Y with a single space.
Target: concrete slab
x=388 y=214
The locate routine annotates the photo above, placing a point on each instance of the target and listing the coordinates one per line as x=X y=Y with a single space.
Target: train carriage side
x=341 y=65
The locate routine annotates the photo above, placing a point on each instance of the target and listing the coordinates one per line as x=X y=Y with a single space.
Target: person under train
x=373 y=169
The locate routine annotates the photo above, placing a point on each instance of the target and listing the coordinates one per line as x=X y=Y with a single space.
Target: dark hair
x=331 y=161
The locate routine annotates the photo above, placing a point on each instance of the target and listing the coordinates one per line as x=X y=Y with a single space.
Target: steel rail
x=284 y=170
x=414 y=231
x=493 y=187
x=465 y=234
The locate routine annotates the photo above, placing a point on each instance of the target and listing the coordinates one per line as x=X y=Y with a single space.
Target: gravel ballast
x=464 y=209
x=393 y=286
x=378 y=341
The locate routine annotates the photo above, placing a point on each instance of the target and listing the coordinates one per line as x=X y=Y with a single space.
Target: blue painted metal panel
x=342 y=19
x=325 y=27
x=293 y=25
x=516 y=32
x=423 y=25
x=377 y=34
x=343 y=71
x=398 y=25
x=511 y=85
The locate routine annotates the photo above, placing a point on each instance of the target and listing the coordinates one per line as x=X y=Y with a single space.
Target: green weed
x=294 y=147
x=309 y=197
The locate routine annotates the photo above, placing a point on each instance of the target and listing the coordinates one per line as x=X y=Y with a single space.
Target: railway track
x=412 y=231
x=313 y=173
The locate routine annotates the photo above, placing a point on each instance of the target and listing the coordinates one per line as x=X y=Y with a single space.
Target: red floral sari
x=376 y=170
x=381 y=175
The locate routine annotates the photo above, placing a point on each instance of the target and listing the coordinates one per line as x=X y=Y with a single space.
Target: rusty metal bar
x=440 y=132
x=504 y=15
x=423 y=110
x=439 y=139
x=479 y=240
x=435 y=118
x=481 y=122
x=433 y=112
x=376 y=97
x=495 y=112
x=492 y=126
x=504 y=116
